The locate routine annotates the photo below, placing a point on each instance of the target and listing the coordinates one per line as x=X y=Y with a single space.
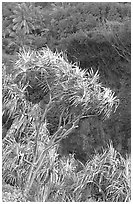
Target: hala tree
x=26 y=22
x=27 y=18
x=28 y=147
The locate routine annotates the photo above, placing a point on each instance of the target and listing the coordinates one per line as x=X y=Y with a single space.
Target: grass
x=105 y=178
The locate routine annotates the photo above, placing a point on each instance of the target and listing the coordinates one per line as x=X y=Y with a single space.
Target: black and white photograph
x=66 y=101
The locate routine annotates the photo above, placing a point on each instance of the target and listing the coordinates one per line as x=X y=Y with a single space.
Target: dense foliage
x=32 y=161
x=58 y=110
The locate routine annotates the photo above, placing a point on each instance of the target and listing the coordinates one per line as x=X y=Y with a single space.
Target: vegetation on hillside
x=66 y=101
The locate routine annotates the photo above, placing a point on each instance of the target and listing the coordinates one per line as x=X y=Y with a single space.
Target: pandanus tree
x=40 y=80
x=25 y=24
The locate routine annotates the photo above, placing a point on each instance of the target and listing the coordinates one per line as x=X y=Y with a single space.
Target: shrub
x=76 y=93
